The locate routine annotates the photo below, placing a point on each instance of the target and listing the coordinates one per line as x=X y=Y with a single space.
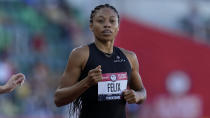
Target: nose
x=107 y=25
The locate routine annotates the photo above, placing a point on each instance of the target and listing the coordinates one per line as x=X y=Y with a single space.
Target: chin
x=107 y=39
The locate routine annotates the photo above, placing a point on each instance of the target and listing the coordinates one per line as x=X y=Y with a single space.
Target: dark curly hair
x=93 y=12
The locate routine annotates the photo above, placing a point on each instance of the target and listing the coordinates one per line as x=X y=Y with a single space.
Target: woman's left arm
x=137 y=92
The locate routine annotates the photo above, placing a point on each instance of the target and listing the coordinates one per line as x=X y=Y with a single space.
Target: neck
x=106 y=46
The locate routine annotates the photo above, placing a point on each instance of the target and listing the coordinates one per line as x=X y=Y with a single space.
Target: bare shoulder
x=131 y=56
x=81 y=51
x=80 y=55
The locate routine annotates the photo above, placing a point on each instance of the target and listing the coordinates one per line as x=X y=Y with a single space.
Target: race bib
x=112 y=86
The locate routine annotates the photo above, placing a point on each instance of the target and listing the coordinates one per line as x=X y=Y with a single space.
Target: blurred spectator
x=193 y=23
x=36 y=44
x=6 y=67
x=39 y=47
x=67 y=17
x=208 y=29
x=13 y=82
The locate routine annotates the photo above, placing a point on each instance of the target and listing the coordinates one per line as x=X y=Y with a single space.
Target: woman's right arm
x=69 y=87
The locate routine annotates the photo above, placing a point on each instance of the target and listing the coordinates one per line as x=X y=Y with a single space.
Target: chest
x=113 y=64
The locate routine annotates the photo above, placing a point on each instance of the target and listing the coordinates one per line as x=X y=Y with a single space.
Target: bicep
x=136 y=81
x=72 y=71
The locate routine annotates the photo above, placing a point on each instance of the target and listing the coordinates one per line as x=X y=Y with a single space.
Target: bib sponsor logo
x=112 y=86
x=119 y=60
x=113 y=78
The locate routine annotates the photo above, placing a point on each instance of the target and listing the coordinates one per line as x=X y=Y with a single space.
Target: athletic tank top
x=105 y=100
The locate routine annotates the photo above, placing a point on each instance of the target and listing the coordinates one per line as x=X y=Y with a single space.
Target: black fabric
x=116 y=62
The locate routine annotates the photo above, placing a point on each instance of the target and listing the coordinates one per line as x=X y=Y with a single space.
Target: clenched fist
x=94 y=75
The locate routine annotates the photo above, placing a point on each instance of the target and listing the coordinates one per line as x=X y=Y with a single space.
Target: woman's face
x=105 y=24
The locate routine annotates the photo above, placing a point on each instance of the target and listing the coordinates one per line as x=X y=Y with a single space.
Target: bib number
x=112 y=86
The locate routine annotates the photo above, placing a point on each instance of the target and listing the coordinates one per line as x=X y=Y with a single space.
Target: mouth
x=106 y=32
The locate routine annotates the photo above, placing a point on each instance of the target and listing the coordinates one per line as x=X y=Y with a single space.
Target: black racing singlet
x=106 y=102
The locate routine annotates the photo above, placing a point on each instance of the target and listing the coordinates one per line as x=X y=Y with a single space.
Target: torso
x=106 y=102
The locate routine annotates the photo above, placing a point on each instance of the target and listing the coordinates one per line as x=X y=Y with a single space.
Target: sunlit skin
x=105 y=27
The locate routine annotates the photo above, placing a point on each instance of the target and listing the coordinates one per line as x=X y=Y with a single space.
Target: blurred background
x=170 y=37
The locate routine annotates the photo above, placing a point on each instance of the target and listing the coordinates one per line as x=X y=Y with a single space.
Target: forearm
x=66 y=95
x=3 y=89
x=141 y=95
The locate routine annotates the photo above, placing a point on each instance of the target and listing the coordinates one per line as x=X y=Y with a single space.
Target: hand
x=130 y=96
x=14 y=81
x=94 y=75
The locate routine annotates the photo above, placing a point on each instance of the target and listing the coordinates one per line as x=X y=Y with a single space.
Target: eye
x=112 y=21
x=100 y=20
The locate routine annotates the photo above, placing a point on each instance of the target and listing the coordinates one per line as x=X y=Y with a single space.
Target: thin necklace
x=107 y=54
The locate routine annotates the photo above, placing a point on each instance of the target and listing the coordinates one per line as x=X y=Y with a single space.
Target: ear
x=91 y=26
x=118 y=27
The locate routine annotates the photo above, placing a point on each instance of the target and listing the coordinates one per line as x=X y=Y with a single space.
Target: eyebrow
x=103 y=16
